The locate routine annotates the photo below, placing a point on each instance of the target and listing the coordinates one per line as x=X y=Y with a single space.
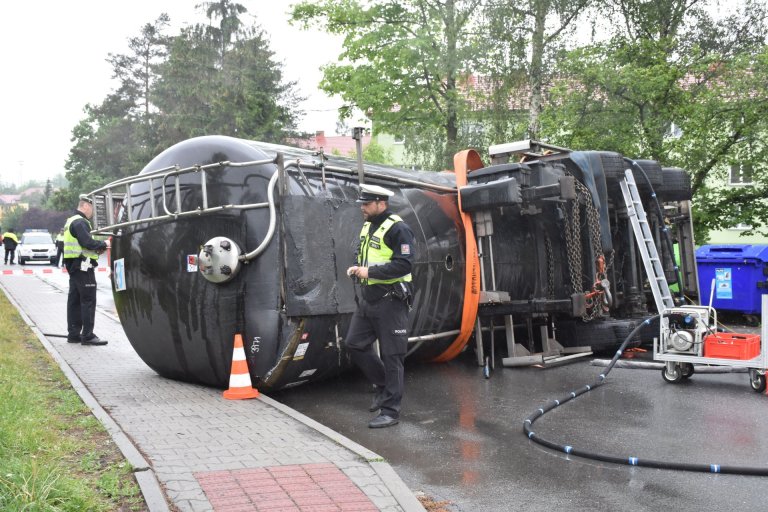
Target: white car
x=36 y=245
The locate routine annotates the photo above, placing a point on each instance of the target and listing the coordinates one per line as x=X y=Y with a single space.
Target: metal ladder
x=651 y=261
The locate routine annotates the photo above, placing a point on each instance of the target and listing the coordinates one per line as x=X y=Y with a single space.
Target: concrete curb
x=404 y=496
x=145 y=476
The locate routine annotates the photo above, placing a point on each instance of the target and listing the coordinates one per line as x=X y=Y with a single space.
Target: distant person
x=81 y=255
x=60 y=248
x=384 y=261
x=9 y=243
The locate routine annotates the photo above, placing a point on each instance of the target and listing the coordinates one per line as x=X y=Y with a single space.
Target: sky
x=54 y=57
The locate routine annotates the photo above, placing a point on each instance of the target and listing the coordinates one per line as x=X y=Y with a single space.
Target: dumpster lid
x=733 y=252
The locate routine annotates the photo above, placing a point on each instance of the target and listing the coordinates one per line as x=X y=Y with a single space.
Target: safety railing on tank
x=113 y=203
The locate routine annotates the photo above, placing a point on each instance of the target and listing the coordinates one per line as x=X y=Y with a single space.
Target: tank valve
x=218 y=260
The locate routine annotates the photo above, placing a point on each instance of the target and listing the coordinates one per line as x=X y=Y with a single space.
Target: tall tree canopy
x=673 y=85
x=402 y=63
x=443 y=74
x=208 y=79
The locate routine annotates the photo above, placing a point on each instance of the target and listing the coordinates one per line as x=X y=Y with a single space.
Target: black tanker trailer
x=220 y=236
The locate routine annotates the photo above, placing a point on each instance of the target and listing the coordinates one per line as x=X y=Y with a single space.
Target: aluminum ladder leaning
x=650 y=256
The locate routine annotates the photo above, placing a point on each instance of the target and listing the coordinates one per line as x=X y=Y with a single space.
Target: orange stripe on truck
x=463 y=162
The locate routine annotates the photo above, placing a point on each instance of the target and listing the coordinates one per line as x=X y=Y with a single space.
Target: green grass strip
x=54 y=455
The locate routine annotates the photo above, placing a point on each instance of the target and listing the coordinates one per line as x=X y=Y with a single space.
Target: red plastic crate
x=731 y=345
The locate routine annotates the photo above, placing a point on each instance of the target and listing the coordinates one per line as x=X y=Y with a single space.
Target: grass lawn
x=54 y=455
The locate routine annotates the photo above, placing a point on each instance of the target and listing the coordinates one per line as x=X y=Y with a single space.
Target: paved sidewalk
x=207 y=453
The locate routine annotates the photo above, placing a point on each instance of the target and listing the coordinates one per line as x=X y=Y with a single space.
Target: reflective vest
x=374 y=251
x=72 y=248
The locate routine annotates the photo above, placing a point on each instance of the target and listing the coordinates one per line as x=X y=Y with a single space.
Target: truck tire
x=652 y=169
x=676 y=186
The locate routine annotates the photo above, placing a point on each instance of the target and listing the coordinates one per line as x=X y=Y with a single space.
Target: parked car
x=36 y=245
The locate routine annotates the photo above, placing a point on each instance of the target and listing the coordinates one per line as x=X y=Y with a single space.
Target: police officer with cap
x=384 y=262
x=81 y=255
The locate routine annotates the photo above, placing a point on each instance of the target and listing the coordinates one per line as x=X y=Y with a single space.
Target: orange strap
x=467 y=160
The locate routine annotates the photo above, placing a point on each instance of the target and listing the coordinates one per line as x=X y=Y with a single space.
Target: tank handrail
x=163 y=174
x=198 y=212
x=175 y=171
x=272 y=221
x=351 y=172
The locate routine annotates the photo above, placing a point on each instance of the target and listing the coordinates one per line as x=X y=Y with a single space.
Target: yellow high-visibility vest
x=374 y=251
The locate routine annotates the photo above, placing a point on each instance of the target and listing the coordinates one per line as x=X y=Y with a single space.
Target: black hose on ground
x=631 y=461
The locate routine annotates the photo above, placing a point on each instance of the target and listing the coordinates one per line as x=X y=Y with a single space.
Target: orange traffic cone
x=240 y=386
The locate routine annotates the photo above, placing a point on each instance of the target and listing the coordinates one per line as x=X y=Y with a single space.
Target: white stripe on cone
x=241 y=380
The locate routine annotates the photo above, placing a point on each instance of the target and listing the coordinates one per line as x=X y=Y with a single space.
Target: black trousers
x=11 y=253
x=81 y=304
x=387 y=321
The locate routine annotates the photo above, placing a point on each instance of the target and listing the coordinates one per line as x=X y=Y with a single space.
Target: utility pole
x=357 y=134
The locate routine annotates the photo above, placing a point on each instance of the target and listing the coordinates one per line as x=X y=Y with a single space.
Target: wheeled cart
x=688 y=334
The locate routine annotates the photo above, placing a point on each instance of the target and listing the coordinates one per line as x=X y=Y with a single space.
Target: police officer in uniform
x=81 y=255
x=384 y=261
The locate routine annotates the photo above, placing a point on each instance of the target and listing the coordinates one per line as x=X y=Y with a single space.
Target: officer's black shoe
x=382 y=420
x=73 y=340
x=378 y=399
x=95 y=340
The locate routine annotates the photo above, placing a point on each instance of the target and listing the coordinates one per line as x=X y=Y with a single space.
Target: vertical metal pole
x=152 y=207
x=178 y=194
x=110 y=207
x=357 y=134
x=127 y=203
x=203 y=187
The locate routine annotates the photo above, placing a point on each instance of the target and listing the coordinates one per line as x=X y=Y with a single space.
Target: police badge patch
x=405 y=249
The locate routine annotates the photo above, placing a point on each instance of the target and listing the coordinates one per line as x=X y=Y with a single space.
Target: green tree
x=402 y=64
x=205 y=80
x=247 y=97
x=671 y=66
x=48 y=190
x=229 y=15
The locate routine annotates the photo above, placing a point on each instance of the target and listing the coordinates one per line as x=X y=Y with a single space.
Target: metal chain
x=573 y=242
x=550 y=267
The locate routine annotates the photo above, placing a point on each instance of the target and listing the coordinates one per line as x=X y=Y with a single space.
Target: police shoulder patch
x=405 y=249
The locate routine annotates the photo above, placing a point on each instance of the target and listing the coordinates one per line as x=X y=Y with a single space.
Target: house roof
x=342 y=145
x=32 y=190
x=10 y=198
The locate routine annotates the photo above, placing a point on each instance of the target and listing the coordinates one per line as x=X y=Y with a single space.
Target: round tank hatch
x=218 y=260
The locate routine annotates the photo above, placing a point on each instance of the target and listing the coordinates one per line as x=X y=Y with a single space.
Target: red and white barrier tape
x=42 y=270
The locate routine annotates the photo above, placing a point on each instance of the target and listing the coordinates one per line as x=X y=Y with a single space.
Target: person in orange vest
x=9 y=243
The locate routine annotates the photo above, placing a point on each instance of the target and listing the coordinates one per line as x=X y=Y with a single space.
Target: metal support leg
x=479 y=342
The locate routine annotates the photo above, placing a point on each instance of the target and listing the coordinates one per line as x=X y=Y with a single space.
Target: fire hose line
x=631 y=460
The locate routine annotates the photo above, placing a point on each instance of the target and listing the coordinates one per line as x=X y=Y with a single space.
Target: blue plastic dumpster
x=740 y=273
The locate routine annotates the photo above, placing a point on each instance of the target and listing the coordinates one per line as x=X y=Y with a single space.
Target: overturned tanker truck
x=219 y=236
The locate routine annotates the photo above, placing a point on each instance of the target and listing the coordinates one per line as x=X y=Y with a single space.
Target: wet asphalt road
x=461 y=439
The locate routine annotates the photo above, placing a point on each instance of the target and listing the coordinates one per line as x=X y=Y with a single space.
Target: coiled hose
x=631 y=461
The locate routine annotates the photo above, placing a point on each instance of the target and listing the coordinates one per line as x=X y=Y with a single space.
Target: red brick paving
x=294 y=488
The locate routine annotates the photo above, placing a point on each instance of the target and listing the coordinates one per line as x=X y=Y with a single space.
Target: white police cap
x=86 y=198
x=370 y=193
